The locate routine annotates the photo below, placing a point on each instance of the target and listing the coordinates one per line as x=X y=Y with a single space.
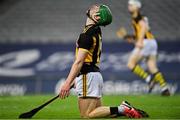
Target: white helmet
x=135 y=2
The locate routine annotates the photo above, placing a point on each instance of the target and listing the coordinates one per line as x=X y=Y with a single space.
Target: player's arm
x=75 y=69
x=122 y=34
x=84 y=44
x=143 y=26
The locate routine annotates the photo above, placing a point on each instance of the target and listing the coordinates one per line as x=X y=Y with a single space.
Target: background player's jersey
x=90 y=40
x=137 y=27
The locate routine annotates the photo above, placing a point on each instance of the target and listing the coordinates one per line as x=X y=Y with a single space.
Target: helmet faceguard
x=104 y=14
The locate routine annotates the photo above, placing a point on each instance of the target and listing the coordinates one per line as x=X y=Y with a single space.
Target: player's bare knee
x=91 y=115
x=130 y=65
x=84 y=116
x=152 y=70
x=87 y=115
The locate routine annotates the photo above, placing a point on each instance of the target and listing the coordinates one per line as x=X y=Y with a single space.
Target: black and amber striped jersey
x=137 y=27
x=90 y=40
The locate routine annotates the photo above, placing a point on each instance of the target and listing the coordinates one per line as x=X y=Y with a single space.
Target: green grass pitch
x=158 y=107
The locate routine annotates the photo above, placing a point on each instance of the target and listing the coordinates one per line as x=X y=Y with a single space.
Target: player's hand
x=139 y=44
x=130 y=39
x=121 y=33
x=64 y=90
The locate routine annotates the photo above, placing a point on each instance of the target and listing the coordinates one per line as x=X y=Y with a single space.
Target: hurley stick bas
x=32 y=112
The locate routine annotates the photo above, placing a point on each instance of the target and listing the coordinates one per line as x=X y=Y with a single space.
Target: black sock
x=114 y=110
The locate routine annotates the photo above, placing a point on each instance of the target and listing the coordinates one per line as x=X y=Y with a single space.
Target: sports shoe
x=132 y=112
x=165 y=92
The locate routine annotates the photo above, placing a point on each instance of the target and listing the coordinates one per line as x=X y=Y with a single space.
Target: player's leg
x=133 y=65
x=89 y=89
x=101 y=111
x=157 y=76
x=89 y=108
x=152 y=65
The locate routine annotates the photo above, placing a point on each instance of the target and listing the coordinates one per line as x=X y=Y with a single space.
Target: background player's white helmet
x=135 y=2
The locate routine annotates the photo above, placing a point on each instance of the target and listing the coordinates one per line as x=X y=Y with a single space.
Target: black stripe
x=95 y=53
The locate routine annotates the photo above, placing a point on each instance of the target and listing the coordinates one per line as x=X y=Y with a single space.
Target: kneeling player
x=85 y=72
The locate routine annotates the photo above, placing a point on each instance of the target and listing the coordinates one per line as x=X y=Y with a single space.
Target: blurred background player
x=145 y=48
x=85 y=70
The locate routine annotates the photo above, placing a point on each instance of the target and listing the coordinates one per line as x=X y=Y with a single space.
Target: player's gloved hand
x=64 y=90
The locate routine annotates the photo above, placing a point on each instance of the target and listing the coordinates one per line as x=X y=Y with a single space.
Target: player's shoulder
x=140 y=17
x=91 y=30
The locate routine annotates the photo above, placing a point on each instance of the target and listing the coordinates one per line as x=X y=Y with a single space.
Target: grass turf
x=158 y=107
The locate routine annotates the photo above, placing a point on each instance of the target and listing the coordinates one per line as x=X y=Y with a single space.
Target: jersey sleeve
x=85 y=42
